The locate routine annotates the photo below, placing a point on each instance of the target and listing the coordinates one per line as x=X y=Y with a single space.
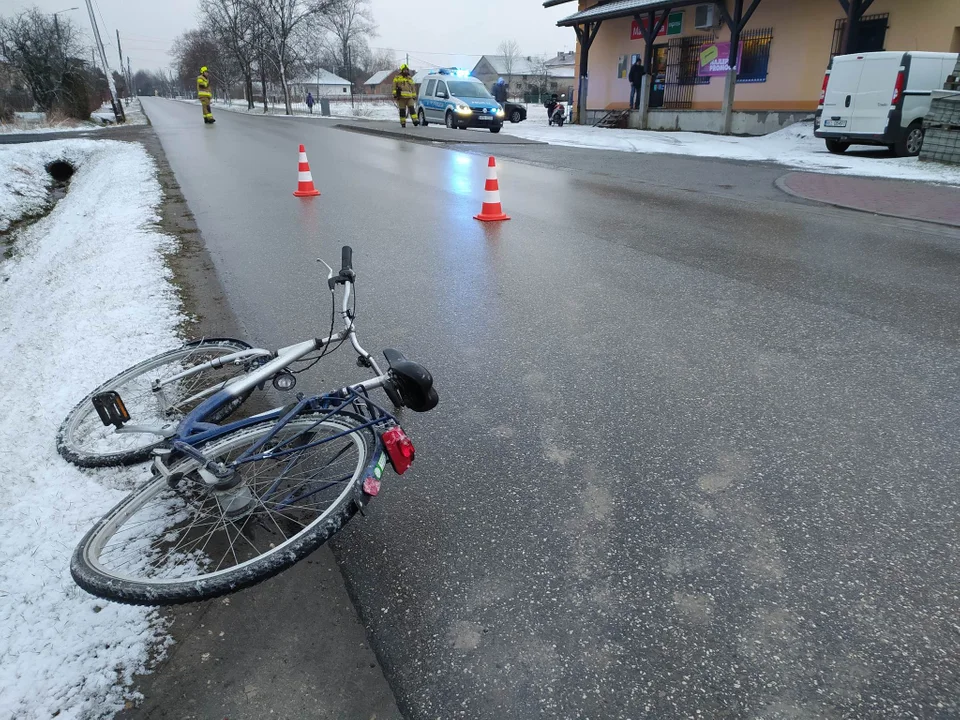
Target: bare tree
x=43 y=50
x=280 y=20
x=233 y=25
x=509 y=50
x=541 y=71
x=193 y=50
x=350 y=23
x=381 y=59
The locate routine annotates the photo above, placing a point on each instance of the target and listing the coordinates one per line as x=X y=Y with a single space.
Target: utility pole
x=120 y=54
x=130 y=75
x=115 y=102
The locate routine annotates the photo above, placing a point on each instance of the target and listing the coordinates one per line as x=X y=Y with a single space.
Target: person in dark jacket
x=500 y=91
x=636 y=83
x=310 y=102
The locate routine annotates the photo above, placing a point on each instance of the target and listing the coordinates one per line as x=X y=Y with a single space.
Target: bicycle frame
x=193 y=430
x=222 y=394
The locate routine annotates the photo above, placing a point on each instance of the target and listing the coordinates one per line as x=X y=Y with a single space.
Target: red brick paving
x=899 y=198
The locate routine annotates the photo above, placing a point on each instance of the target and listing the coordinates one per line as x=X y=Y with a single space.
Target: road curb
x=410 y=137
x=781 y=183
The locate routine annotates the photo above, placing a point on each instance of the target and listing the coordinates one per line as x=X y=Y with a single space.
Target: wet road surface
x=696 y=453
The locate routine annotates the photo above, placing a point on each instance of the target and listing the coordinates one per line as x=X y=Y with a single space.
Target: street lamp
x=56 y=24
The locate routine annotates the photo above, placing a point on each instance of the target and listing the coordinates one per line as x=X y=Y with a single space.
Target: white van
x=880 y=98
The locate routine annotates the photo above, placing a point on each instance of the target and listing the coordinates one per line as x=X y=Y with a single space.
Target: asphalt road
x=696 y=453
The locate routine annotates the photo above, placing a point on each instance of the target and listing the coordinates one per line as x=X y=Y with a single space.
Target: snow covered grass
x=794 y=146
x=38 y=122
x=85 y=294
x=362 y=108
x=31 y=122
x=132 y=111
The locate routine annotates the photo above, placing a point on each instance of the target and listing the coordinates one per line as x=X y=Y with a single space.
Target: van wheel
x=911 y=141
x=423 y=117
x=837 y=147
x=448 y=120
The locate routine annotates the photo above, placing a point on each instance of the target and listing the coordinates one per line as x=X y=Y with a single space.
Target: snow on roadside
x=361 y=110
x=84 y=295
x=36 y=122
x=794 y=146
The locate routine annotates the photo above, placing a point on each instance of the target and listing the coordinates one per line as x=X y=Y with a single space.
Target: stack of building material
x=941 y=140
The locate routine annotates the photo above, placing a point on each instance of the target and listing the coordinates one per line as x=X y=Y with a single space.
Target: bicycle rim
x=84 y=440
x=165 y=546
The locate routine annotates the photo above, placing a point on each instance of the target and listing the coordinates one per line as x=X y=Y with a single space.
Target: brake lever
x=330 y=277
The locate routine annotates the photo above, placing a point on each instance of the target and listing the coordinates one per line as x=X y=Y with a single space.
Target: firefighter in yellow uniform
x=204 y=96
x=405 y=93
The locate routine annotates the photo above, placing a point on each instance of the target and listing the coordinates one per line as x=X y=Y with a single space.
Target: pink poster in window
x=715 y=59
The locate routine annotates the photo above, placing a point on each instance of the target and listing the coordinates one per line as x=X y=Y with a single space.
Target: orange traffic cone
x=491 y=210
x=305 y=186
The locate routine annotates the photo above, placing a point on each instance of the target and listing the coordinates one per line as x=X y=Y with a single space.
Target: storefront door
x=659 y=71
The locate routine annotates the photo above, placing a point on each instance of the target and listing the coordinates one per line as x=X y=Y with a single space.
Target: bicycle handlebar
x=346 y=260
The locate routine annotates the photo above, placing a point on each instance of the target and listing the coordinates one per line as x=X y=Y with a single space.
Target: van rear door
x=840 y=99
x=875 y=92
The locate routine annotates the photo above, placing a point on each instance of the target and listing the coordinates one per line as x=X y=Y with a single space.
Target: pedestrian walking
x=310 y=102
x=204 y=95
x=500 y=91
x=405 y=93
x=636 y=83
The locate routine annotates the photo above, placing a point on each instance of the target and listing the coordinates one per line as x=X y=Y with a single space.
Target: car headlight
x=464 y=109
x=500 y=112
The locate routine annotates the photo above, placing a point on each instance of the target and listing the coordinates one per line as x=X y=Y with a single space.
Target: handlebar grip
x=347 y=258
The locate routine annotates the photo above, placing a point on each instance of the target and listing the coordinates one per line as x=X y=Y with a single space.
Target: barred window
x=756 y=55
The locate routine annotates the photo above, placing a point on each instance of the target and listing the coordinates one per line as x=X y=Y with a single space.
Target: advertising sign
x=673 y=26
x=715 y=59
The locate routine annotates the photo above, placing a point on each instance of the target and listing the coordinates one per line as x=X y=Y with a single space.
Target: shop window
x=752 y=66
x=873 y=34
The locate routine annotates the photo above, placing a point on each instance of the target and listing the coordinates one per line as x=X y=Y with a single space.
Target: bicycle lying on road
x=232 y=505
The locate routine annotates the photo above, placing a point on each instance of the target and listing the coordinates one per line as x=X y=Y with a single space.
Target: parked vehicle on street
x=879 y=98
x=231 y=505
x=515 y=111
x=458 y=102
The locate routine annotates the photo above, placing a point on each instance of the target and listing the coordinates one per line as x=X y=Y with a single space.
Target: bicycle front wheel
x=84 y=440
x=179 y=541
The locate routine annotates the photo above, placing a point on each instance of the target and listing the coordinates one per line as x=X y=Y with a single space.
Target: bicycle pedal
x=110 y=408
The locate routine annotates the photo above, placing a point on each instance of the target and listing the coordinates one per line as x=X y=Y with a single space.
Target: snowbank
x=362 y=109
x=37 y=122
x=85 y=295
x=794 y=146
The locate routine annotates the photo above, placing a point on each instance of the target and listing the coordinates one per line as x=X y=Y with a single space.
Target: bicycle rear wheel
x=84 y=440
x=166 y=545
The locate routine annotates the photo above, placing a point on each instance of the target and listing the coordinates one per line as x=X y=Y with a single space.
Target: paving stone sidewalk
x=896 y=198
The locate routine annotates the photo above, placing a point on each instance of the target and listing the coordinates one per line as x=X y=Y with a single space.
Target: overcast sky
x=433 y=32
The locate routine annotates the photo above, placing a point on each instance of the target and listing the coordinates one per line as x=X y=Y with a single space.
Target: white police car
x=459 y=101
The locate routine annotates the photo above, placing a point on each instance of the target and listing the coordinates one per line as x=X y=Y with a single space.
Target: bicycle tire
x=90 y=559
x=71 y=447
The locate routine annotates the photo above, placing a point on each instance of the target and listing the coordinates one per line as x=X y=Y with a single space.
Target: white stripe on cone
x=304 y=177
x=303 y=157
x=491 y=196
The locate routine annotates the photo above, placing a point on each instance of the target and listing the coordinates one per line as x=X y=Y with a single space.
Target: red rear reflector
x=371 y=486
x=399 y=448
x=823 y=90
x=898 y=88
